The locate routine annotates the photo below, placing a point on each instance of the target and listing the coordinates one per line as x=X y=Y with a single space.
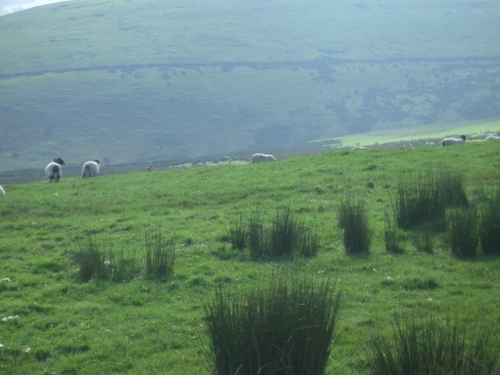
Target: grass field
x=52 y=322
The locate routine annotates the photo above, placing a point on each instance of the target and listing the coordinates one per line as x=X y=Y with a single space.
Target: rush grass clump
x=159 y=254
x=257 y=241
x=90 y=260
x=238 y=234
x=286 y=235
x=463 y=234
x=285 y=327
x=490 y=224
x=451 y=189
x=433 y=347
x=353 y=221
x=418 y=200
x=103 y=262
x=424 y=198
x=392 y=239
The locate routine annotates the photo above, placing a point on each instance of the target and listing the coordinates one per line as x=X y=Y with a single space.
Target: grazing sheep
x=53 y=170
x=359 y=148
x=90 y=168
x=2 y=191
x=260 y=158
x=492 y=138
x=453 y=141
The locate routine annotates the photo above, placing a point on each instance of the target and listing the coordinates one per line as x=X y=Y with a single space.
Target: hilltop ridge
x=130 y=82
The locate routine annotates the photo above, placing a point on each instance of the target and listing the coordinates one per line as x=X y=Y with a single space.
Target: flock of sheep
x=456 y=141
x=53 y=170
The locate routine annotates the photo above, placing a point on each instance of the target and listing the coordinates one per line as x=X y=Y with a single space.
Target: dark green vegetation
x=425 y=196
x=285 y=326
x=150 y=323
x=284 y=236
x=353 y=221
x=434 y=347
x=140 y=81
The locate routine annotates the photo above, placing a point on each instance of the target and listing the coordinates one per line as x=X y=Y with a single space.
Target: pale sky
x=11 y=6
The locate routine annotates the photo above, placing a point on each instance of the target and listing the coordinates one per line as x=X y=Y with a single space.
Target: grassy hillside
x=153 y=80
x=56 y=323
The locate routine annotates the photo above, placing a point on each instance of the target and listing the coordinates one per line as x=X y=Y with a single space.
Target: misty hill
x=128 y=81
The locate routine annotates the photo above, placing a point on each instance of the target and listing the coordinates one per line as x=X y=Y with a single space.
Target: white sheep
x=2 y=191
x=259 y=158
x=359 y=148
x=453 y=141
x=91 y=168
x=492 y=138
x=53 y=170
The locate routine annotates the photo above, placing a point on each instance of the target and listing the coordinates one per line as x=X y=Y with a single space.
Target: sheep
x=2 y=191
x=359 y=148
x=493 y=138
x=453 y=141
x=259 y=158
x=53 y=170
x=90 y=168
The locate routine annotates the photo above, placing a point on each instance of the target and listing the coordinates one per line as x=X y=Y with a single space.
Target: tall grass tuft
x=463 y=232
x=451 y=189
x=432 y=347
x=424 y=198
x=159 y=254
x=307 y=242
x=238 y=234
x=418 y=200
x=120 y=266
x=91 y=261
x=257 y=241
x=285 y=328
x=490 y=225
x=423 y=241
x=96 y=263
x=353 y=221
x=423 y=237
x=283 y=234
x=391 y=237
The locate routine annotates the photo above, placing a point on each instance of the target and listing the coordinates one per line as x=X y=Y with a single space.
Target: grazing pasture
x=154 y=322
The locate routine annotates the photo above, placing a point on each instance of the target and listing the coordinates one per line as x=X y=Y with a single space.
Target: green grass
x=157 y=325
x=432 y=346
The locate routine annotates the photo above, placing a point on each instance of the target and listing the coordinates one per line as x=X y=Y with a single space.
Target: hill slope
x=55 y=323
x=133 y=82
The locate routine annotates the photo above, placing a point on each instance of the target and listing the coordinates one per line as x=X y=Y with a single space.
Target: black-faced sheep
x=453 y=141
x=259 y=158
x=91 y=168
x=492 y=138
x=53 y=170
